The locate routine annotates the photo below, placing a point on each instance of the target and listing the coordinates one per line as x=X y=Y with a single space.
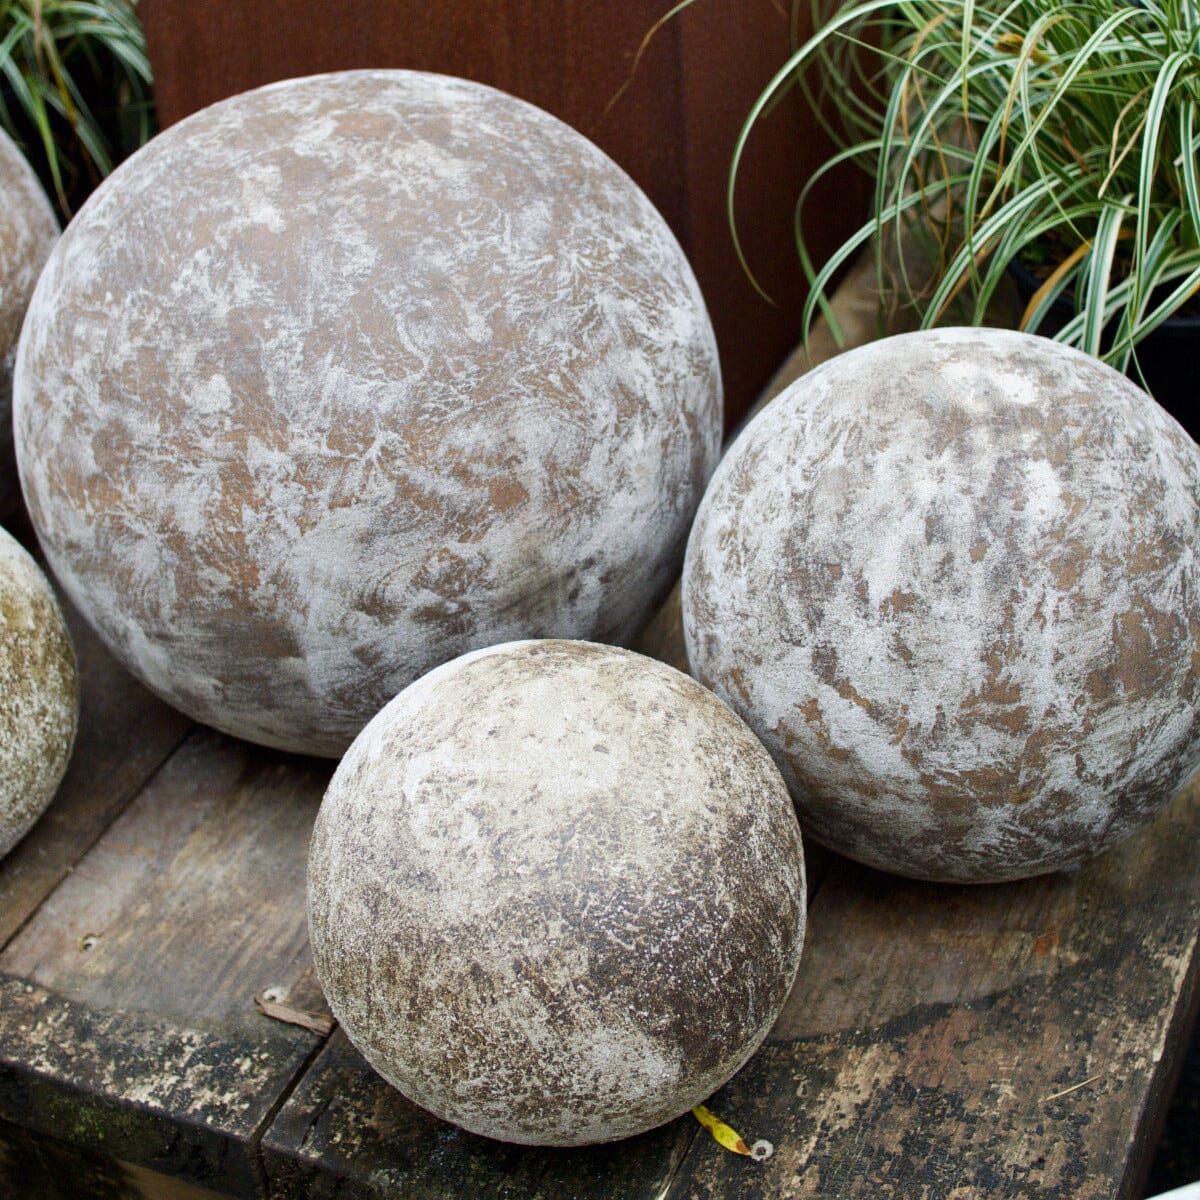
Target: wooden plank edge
x=37 y=1165
x=177 y=1102
x=1164 y=1080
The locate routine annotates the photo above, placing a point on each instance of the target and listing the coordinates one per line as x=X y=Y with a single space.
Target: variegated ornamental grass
x=74 y=76
x=994 y=130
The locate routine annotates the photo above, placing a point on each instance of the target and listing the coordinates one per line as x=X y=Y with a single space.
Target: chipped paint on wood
x=177 y=1100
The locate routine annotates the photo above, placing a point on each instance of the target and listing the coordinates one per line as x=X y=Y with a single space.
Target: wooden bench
x=948 y=1042
x=942 y=1041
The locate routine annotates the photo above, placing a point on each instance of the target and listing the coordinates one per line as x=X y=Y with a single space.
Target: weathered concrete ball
x=28 y=228
x=39 y=693
x=556 y=893
x=950 y=579
x=340 y=378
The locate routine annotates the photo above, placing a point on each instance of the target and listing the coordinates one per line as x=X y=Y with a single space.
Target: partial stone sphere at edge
x=950 y=579
x=348 y=375
x=28 y=228
x=39 y=693
x=556 y=893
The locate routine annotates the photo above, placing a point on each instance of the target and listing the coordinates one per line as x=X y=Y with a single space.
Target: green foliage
x=74 y=88
x=994 y=129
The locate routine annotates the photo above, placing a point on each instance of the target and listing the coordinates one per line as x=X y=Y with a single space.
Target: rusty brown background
x=673 y=127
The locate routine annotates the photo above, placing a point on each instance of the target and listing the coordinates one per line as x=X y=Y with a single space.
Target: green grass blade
x=1190 y=150
x=1149 y=164
x=778 y=81
x=1097 y=273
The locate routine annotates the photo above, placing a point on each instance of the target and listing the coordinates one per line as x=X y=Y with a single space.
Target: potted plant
x=74 y=89
x=1060 y=139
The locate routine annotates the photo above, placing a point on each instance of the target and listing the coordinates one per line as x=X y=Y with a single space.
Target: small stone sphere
x=39 y=693
x=556 y=893
x=343 y=377
x=28 y=228
x=951 y=580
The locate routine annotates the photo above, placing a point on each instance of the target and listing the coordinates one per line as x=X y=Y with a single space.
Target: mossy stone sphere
x=951 y=580
x=28 y=228
x=343 y=377
x=39 y=693
x=556 y=893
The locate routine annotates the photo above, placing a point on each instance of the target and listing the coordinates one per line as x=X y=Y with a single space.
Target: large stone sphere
x=950 y=579
x=556 y=893
x=28 y=228
x=343 y=377
x=39 y=693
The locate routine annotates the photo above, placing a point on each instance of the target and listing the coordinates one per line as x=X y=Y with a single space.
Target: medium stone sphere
x=556 y=893
x=345 y=376
x=28 y=228
x=950 y=579
x=39 y=693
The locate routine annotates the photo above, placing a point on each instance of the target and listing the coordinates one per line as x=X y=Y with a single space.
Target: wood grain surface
x=127 y=999
x=999 y=1041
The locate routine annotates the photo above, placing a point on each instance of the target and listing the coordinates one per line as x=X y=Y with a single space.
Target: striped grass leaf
x=991 y=128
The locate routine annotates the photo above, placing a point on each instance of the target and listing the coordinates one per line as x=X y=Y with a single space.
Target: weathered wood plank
x=345 y=1132
x=125 y=734
x=663 y=637
x=194 y=898
x=44 y=1168
x=127 y=1017
x=182 y=1102
x=1006 y=1041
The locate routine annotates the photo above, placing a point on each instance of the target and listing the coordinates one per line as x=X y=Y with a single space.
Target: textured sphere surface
x=27 y=231
x=556 y=892
x=343 y=377
x=39 y=693
x=950 y=579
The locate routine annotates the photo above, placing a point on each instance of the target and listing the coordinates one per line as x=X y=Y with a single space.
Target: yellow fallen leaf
x=720 y=1131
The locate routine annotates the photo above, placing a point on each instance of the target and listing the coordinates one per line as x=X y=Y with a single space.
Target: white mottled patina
x=556 y=892
x=950 y=579
x=39 y=693
x=345 y=376
x=28 y=228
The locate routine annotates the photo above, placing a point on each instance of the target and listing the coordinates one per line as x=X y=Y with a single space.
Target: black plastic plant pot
x=1169 y=358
